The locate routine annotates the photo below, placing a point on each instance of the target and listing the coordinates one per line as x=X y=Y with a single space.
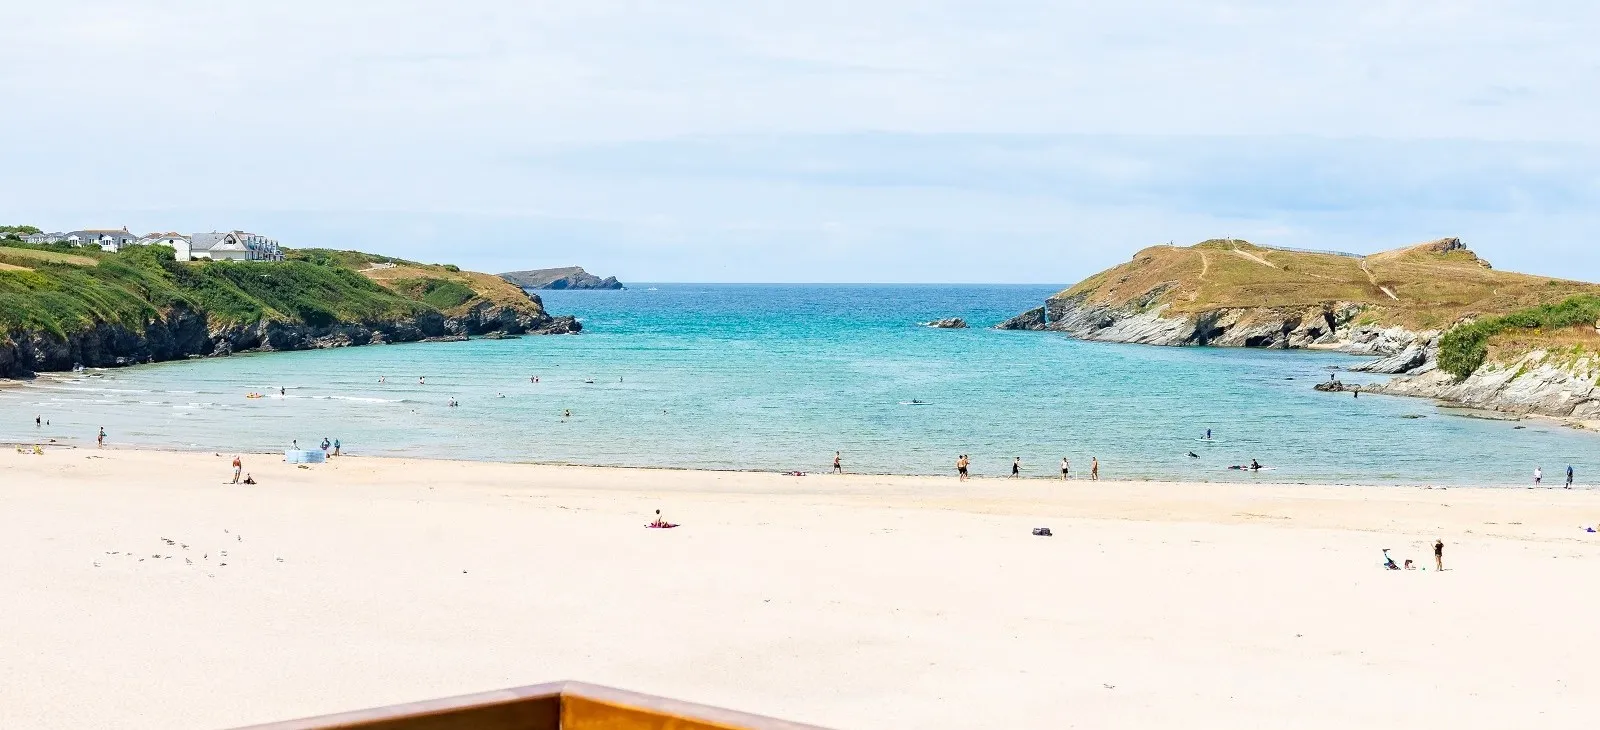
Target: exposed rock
x=566 y=277
x=1032 y=319
x=1535 y=383
x=1139 y=323
x=953 y=323
x=1422 y=351
x=182 y=333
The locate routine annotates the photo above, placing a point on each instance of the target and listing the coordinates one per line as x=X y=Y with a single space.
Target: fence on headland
x=1290 y=249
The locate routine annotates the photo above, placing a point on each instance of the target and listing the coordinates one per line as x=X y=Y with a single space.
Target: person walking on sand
x=100 y=439
x=961 y=467
x=1016 y=467
x=238 y=467
x=1094 y=468
x=838 y=466
x=1538 y=474
x=1438 y=555
x=1066 y=468
x=1569 y=476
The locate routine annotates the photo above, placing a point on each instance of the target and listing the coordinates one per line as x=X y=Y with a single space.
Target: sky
x=887 y=141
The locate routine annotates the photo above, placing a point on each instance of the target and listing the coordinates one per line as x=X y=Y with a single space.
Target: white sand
x=855 y=602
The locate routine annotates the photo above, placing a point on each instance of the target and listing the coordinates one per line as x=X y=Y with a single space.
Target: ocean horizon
x=777 y=377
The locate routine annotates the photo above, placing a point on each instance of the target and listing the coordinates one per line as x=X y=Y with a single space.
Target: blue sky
x=821 y=141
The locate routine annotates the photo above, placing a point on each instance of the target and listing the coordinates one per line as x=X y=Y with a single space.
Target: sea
x=777 y=377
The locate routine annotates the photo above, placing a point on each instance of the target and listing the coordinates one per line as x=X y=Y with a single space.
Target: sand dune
x=853 y=602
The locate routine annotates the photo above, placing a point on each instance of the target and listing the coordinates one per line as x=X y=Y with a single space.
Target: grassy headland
x=1429 y=286
x=62 y=294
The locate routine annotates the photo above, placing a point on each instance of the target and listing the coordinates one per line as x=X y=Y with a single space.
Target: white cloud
x=334 y=119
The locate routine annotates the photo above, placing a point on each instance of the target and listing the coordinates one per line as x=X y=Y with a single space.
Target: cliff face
x=567 y=277
x=1541 y=382
x=60 y=309
x=182 y=333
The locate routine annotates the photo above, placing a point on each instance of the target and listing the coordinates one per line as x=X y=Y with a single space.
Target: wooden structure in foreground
x=554 y=706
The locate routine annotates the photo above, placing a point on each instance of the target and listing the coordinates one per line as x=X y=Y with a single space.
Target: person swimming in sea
x=1193 y=455
x=1255 y=465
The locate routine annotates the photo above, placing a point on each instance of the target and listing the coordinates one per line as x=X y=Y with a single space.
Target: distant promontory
x=1435 y=312
x=566 y=277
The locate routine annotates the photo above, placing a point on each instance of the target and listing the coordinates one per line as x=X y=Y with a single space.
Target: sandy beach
x=851 y=602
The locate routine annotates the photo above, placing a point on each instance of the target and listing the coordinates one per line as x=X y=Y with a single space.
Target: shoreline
x=890 y=477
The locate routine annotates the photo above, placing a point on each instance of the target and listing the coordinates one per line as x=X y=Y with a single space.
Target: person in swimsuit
x=1255 y=465
x=1569 y=476
x=961 y=467
x=1094 y=468
x=238 y=467
x=1538 y=474
x=838 y=467
x=336 y=447
x=1438 y=555
x=1016 y=467
x=100 y=440
x=1066 y=468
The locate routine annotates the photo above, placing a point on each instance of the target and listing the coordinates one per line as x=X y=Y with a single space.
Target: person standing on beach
x=1569 y=476
x=100 y=440
x=238 y=467
x=1016 y=467
x=1066 y=468
x=1094 y=468
x=838 y=466
x=961 y=467
x=1438 y=555
x=336 y=447
x=1538 y=474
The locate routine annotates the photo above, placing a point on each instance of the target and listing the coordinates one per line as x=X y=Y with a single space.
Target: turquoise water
x=776 y=377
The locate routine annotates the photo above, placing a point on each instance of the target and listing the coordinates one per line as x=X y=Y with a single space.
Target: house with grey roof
x=107 y=239
x=214 y=246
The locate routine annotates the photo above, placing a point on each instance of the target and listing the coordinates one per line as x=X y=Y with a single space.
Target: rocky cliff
x=1400 y=306
x=183 y=333
x=567 y=277
x=60 y=310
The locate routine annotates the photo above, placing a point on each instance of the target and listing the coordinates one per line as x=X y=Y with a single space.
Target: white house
x=169 y=239
x=106 y=239
x=214 y=246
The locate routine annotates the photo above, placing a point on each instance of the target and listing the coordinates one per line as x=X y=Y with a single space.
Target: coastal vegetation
x=1466 y=347
x=62 y=305
x=61 y=293
x=1428 y=286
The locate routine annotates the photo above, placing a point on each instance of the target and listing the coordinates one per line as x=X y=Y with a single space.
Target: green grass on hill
x=1464 y=349
x=437 y=293
x=133 y=287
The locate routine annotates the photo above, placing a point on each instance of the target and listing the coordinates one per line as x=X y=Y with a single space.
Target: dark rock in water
x=1032 y=319
x=1334 y=386
x=953 y=323
x=566 y=277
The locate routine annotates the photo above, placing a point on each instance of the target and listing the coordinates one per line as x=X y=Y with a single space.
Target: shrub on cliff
x=1465 y=348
